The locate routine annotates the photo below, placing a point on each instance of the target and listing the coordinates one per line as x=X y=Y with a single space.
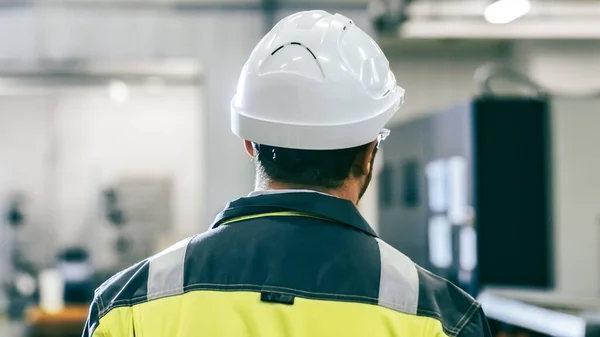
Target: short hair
x=315 y=168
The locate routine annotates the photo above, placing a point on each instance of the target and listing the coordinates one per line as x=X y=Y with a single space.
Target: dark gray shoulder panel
x=442 y=300
x=295 y=256
x=123 y=289
x=477 y=327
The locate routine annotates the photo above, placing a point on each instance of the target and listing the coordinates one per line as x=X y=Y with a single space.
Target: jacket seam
x=101 y=304
x=253 y=287
x=467 y=317
x=234 y=287
x=97 y=320
x=206 y=286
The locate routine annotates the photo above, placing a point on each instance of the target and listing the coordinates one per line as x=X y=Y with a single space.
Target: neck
x=344 y=192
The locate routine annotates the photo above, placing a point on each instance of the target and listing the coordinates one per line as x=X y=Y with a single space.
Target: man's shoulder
x=125 y=288
x=142 y=281
x=409 y=288
x=444 y=301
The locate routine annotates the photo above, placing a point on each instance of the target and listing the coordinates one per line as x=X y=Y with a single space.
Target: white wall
x=24 y=156
x=61 y=150
x=23 y=134
x=149 y=136
x=565 y=67
x=577 y=195
x=572 y=68
x=436 y=79
x=221 y=41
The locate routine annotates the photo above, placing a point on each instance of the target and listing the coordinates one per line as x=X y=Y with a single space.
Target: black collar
x=338 y=210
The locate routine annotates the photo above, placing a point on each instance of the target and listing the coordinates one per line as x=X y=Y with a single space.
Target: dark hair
x=315 y=168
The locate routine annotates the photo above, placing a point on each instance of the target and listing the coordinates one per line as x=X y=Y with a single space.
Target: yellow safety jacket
x=297 y=264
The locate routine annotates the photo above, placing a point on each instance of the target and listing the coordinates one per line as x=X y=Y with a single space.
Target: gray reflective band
x=399 y=280
x=165 y=275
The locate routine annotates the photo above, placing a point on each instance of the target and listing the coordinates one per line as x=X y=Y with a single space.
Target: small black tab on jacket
x=267 y=296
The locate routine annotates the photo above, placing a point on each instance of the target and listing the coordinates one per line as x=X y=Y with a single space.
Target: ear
x=249 y=147
x=365 y=159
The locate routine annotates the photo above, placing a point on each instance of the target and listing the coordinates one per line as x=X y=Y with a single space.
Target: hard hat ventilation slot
x=310 y=51
x=387 y=92
x=297 y=44
x=318 y=64
x=276 y=50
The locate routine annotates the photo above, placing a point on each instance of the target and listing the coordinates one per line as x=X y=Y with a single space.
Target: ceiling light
x=505 y=11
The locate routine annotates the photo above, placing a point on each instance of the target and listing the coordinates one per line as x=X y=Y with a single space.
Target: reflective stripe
x=166 y=270
x=399 y=281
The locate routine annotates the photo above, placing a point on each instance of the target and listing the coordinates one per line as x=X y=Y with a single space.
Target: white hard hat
x=316 y=82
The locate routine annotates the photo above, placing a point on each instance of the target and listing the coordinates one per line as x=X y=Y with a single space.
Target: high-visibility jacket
x=298 y=264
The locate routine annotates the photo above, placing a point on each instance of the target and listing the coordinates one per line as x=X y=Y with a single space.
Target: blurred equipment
x=15 y=214
x=387 y=15
x=114 y=213
x=21 y=286
x=136 y=216
x=341 y=99
x=77 y=273
x=147 y=205
x=471 y=185
x=65 y=295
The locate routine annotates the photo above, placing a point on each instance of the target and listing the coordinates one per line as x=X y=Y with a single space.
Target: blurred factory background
x=115 y=143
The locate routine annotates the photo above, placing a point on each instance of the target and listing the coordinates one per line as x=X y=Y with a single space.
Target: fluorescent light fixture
x=505 y=11
x=118 y=91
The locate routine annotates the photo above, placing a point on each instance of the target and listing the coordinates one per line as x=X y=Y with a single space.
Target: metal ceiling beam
x=540 y=28
x=475 y=8
x=463 y=19
x=190 y=6
x=97 y=72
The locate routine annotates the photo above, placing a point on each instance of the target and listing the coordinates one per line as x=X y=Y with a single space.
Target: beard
x=368 y=178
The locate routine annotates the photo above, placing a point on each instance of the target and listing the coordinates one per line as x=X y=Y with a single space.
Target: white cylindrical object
x=52 y=289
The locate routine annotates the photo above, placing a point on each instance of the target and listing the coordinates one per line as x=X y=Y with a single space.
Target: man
x=295 y=258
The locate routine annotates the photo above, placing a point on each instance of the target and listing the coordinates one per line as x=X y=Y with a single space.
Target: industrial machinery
x=466 y=191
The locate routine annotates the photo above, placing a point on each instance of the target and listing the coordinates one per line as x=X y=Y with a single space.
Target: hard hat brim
x=312 y=137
